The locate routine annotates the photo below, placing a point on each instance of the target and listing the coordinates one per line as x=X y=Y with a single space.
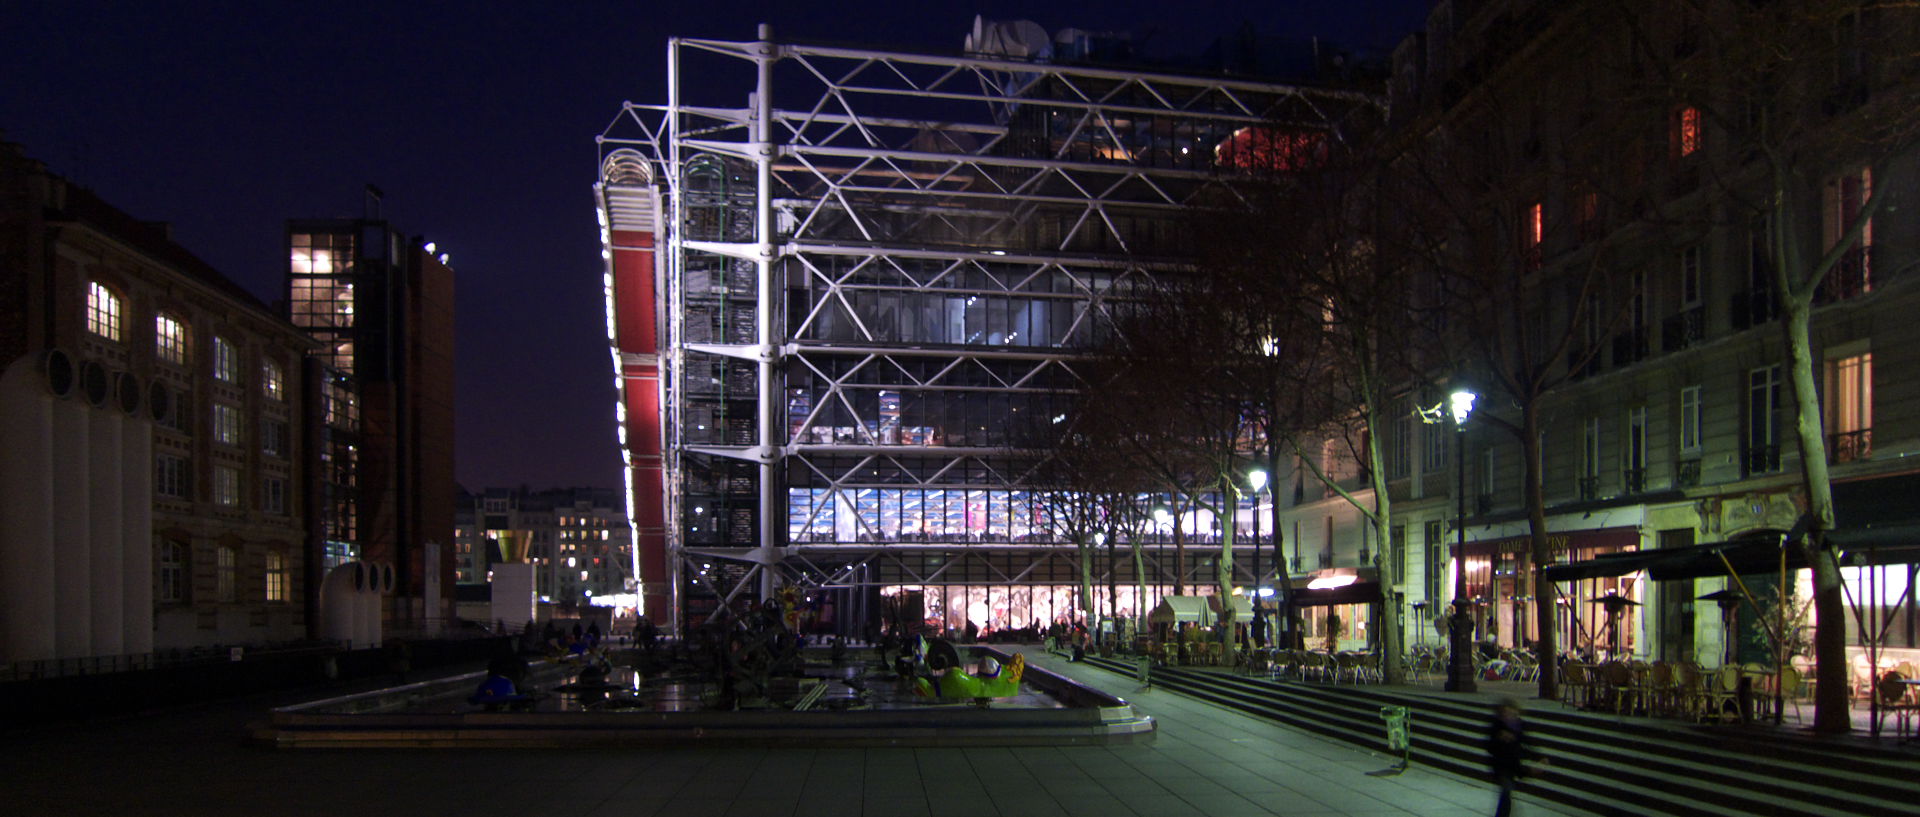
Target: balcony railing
x=1589 y=487
x=1849 y=446
x=1634 y=480
x=1581 y=364
x=1753 y=307
x=1761 y=459
x=1683 y=330
x=1483 y=504
x=1686 y=474
x=1848 y=279
x=1630 y=346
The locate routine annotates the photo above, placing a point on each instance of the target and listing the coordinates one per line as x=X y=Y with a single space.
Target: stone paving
x=1205 y=761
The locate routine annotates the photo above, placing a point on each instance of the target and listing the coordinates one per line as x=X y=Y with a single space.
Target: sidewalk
x=1205 y=761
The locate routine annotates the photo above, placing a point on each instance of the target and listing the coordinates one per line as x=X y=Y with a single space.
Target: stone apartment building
x=1672 y=425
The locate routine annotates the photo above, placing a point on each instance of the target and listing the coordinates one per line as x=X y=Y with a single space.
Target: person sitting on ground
x=501 y=688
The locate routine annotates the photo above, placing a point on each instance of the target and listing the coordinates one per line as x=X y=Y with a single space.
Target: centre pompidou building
x=833 y=308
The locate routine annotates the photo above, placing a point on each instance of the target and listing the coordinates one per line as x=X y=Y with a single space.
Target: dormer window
x=103 y=311
x=170 y=340
x=226 y=361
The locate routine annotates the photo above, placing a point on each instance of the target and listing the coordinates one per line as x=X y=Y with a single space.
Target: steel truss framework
x=884 y=264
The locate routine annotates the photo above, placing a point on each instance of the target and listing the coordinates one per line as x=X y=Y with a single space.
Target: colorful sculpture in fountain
x=994 y=680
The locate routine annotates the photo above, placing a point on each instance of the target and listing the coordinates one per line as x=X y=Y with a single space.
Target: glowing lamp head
x=1461 y=404
x=1257 y=479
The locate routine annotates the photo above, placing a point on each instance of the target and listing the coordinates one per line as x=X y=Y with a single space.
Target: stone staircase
x=1601 y=763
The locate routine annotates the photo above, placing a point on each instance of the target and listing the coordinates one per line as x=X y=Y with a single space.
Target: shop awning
x=1610 y=564
x=1748 y=555
x=1879 y=545
x=1573 y=541
x=1179 y=609
x=1758 y=553
x=1356 y=593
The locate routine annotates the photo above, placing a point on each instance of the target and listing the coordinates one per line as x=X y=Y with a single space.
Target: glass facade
x=862 y=351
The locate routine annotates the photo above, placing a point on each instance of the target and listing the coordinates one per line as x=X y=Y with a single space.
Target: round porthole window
x=93 y=383
x=57 y=366
x=127 y=388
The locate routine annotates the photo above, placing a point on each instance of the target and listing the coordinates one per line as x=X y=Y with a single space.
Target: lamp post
x=1459 y=644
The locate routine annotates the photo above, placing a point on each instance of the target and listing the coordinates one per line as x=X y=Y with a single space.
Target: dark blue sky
x=477 y=119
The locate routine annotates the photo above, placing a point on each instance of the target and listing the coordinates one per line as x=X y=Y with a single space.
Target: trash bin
x=1398 y=725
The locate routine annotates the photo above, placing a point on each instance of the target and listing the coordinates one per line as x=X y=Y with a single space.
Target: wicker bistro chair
x=1723 y=694
x=1663 y=690
x=1573 y=685
x=1621 y=690
x=1897 y=699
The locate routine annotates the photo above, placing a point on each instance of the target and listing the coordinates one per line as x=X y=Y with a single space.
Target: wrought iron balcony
x=1753 y=307
x=1483 y=504
x=1760 y=459
x=1686 y=473
x=1589 y=487
x=1849 y=446
x=1683 y=330
x=1630 y=346
x=1581 y=364
x=1848 y=279
x=1634 y=480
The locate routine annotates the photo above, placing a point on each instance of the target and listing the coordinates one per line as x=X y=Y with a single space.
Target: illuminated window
x=226 y=424
x=1533 y=231
x=103 y=311
x=226 y=572
x=226 y=361
x=170 y=339
x=173 y=572
x=1686 y=131
x=273 y=380
x=276 y=576
x=226 y=486
x=1849 y=410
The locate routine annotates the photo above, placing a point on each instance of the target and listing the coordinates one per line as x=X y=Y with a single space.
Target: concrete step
x=1600 y=762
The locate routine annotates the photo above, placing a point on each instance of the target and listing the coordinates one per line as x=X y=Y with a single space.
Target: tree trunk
x=1545 y=594
x=1830 y=711
x=1140 y=607
x=1179 y=552
x=1087 y=610
x=1230 y=503
x=1392 y=668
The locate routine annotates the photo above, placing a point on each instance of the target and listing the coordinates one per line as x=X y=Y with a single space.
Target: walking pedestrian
x=1508 y=752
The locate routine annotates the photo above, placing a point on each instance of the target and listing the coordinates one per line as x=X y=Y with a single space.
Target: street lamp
x=1459 y=645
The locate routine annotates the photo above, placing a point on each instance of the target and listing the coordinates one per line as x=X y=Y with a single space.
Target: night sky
x=477 y=120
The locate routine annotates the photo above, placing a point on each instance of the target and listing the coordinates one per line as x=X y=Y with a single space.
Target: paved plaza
x=1205 y=761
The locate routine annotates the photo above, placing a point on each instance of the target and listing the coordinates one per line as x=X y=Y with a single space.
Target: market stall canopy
x=1179 y=609
x=1242 y=607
